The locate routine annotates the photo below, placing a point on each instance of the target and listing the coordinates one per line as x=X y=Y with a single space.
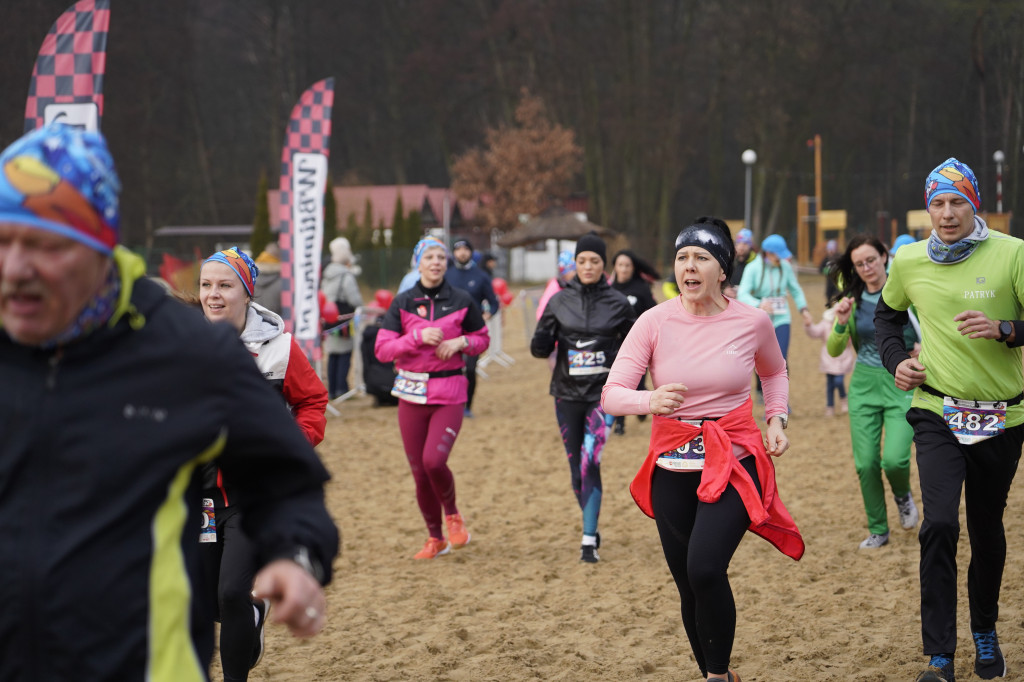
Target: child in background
x=834 y=369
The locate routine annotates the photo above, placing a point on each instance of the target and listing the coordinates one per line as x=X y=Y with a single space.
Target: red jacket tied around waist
x=768 y=516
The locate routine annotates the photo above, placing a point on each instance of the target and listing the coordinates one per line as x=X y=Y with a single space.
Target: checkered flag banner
x=67 y=81
x=301 y=225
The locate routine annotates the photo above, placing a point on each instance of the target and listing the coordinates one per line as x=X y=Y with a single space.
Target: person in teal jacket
x=765 y=283
x=875 y=403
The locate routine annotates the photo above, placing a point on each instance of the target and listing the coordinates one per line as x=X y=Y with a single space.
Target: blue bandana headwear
x=424 y=244
x=62 y=179
x=239 y=261
x=745 y=236
x=952 y=176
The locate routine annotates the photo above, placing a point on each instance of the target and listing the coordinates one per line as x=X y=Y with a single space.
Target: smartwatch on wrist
x=784 y=418
x=1005 y=329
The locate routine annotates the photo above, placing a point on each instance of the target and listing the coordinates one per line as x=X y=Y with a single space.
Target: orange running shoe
x=432 y=548
x=457 y=532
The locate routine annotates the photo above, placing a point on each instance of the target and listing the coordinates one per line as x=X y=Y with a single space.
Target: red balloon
x=329 y=312
x=383 y=298
x=500 y=286
x=507 y=298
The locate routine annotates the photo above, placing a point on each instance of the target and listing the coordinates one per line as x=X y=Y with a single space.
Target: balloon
x=500 y=286
x=507 y=298
x=383 y=298
x=329 y=312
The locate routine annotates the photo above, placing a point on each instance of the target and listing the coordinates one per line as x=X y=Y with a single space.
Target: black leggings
x=699 y=540
x=230 y=565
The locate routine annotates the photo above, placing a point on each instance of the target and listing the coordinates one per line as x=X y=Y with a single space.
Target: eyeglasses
x=867 y=263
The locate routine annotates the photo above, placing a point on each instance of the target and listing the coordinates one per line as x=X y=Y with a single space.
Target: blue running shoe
x=988 y=662
x=940 y=669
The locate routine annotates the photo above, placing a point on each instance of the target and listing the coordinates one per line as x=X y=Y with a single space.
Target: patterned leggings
x=584 y=432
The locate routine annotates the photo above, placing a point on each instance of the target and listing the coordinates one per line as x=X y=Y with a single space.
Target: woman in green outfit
x=875 y=402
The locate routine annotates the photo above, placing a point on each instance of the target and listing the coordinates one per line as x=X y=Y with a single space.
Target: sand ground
x=516 y=604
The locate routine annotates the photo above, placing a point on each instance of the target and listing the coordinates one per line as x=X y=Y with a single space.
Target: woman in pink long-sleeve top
x=707 y=477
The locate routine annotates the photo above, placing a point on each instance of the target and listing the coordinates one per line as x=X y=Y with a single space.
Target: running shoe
x=457 y=533
x=988 y=662
x=874 y=541
x=620 y=427
x=588 y=553
x=467 y=413
x=940 y=669
x=908 y=511
x=262 y=609
x=432 y=548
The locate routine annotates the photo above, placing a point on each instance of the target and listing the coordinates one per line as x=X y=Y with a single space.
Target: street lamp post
x=749 y=159
x=999 y=157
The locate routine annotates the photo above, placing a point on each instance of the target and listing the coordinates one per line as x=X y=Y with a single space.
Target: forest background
x=662 y=97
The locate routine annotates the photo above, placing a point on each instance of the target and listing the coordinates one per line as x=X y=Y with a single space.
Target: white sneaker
x=874 y=541
x=908 y=511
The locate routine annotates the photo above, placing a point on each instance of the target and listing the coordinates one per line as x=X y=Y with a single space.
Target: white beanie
x=341 y=251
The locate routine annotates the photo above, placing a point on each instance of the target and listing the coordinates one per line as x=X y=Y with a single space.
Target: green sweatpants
x=875 y=403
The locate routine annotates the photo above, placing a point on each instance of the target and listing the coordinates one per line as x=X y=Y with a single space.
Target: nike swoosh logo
x=447 y=307
x=584 y=344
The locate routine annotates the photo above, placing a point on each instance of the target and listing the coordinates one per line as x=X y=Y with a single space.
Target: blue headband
x=424 y=244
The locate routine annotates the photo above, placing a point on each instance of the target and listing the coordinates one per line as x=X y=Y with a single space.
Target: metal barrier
x=494 y=352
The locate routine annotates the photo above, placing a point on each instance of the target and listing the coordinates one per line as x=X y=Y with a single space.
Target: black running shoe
x=588 y=553
x=988 y=662
x=940 y=669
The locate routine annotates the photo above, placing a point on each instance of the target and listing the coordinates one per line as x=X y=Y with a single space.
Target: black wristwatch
x=1005 y=329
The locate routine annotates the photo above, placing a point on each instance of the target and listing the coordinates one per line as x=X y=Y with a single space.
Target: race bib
x=411 y=386
x=779 y=304
x=687 y=457
x=586 y=362
x=208 y=533
x=973 y=421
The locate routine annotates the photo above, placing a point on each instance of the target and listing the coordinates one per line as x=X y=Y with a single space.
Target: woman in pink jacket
x=707 y=477
x=425 y=333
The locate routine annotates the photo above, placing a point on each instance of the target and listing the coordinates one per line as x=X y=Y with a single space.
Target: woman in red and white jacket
x=226 y=283
x=425 y=332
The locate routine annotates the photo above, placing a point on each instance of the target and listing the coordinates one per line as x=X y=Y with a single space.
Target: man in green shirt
x=967 y=286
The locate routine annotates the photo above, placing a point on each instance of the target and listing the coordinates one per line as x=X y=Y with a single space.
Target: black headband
x=709 y=238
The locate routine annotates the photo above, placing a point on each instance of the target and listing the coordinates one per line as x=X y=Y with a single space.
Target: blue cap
x=745 y=236
x=902 y=240
x=774 y=243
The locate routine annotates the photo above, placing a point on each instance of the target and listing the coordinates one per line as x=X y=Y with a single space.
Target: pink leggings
x=428 y=434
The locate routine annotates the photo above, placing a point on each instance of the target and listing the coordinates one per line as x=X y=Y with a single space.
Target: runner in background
x=632 y=277
x=471 y=278
x=766 y=283
x=876 y=405
x=585 y=322
x=708 y=477
x=426 y=331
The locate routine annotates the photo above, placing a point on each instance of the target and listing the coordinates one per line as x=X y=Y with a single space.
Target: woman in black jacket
x=587 y=321
x=633 y=276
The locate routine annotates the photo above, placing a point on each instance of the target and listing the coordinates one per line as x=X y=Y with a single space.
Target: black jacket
x=638 y=292
x=100 y=507
x=588 y=322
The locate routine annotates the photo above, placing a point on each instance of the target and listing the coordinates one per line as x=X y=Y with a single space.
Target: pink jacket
x=400 y=340
x=843 y=364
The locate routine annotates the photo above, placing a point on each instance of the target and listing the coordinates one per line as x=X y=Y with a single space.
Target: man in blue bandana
x=967 y=286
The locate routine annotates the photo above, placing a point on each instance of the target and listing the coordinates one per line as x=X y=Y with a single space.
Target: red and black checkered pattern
x=308 y=132
x=71 y=62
